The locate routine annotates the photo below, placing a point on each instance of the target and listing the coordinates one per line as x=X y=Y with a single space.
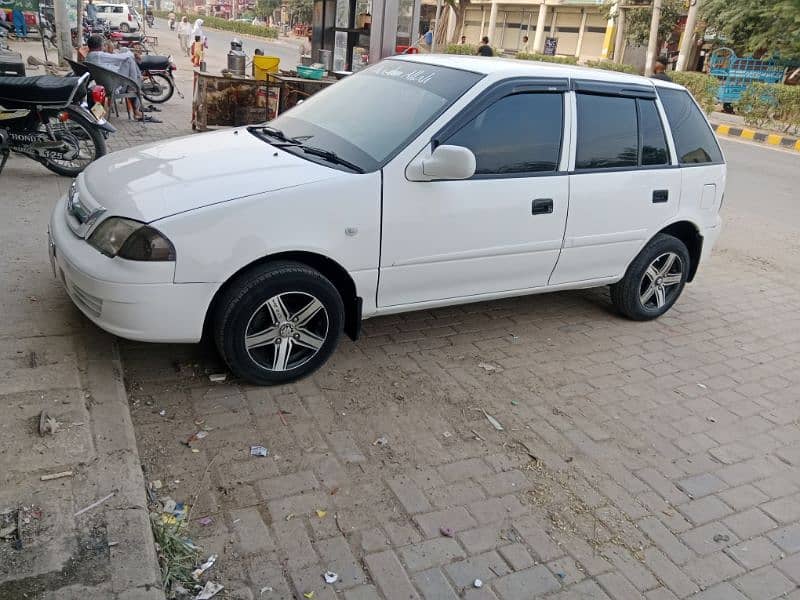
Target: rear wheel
x=125 y=28
x=278 y=323
x=654 y=280
x=157 y=87
x=83 y=142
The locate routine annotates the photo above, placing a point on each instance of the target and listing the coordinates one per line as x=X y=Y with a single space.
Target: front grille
x=93 y=304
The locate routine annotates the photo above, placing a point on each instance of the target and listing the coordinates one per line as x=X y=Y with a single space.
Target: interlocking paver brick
x=337 y=557
x=251 y=533
x=455 y=494
x=483 y=593
x=457 y=519
x=362 y=592
x=765 y=584
x=788 y=538
x=482 y=539
x=517 y=556
x=714 y=568
x=709 y=538
x=784 y=510
x=723 y=591
x=585 y=590
x=484 y=567
x=669 y=574
x=390 y=577
x=750 y=523
x=790 y=566
x=743 y=497
x=662 y=486
x=665 y=540
x=344 y=444
x=542 y=545
x=776 y=487
x=566 y=570
x=474 y=468
x=526 y=584
x=287 y=485
x=709 y=508
x=373 y=540
x=660 y=594
x=431 y=553
x=434 y=585
x=618 y=587
x=633 y=570
x=293 y=543
x=302 y=504
x=401 y=535
x=702 y=485
x=496 y=509
x=410 y=495
x=508 y=482
x=309 y=579
x=755 y=553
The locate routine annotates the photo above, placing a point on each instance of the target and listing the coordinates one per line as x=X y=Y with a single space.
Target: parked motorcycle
x=46 y=119
x=158 y=83
x=134 y=41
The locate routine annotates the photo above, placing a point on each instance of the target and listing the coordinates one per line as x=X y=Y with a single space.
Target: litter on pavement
x=210 y=590
x=331 y=577
x=477 y=583
x=381 y=441
x=56 y=476
x=93 y=505
x=258 y=451
x=447 y=531
x=204 y=567
x=495 y=423
x=217 y=377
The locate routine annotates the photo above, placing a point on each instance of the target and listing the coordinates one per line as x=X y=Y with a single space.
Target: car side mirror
x=445 y=162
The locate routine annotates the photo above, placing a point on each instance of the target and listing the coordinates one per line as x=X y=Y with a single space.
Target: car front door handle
x=542 y=206
x=660 y=196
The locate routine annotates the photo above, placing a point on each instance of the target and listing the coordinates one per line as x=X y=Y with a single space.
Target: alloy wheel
x=661 y=281
x=286 y=331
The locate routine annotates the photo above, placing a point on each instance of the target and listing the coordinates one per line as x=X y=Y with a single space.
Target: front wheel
x=654 y=280
x=278 y=323
x=157 y=87
x=82 y=142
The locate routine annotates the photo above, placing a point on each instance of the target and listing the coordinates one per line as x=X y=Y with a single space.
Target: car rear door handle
x=542 y=206
x=660 y=196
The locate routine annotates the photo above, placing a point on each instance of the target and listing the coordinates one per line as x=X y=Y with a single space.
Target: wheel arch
x=689 y=234
x=328 y=267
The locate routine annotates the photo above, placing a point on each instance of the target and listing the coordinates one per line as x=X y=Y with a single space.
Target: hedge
x=771 y=105
x=225 y=25
x=468 y=49
x=703 y=87
x=562 y=60
x=610 y=65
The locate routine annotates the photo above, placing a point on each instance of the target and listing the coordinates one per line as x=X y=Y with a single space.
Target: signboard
x=550 y=46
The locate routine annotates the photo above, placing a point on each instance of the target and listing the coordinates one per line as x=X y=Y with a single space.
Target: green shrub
x=703 y=87
x=461 y=49
x=225 y=25
x=610 y=65
x=562 y=60
x=771 y=105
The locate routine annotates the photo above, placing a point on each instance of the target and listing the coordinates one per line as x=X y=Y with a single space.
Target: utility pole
x=652 y=43
x=63 y=36
x=619 y=39
x=688 y=36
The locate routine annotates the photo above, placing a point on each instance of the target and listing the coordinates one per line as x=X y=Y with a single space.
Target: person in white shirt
x=184 y=34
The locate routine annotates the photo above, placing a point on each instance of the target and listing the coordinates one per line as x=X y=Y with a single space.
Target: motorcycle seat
x=43 y=89
x=154 y=63
x=130 y=37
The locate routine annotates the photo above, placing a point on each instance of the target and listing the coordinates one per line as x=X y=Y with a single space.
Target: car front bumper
x=131 y=299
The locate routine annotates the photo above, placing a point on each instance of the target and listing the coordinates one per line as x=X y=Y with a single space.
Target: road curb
x=133 y=562
x=769 y=139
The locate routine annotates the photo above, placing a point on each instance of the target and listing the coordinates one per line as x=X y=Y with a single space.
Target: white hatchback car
x=419 y=182
x=119 y=16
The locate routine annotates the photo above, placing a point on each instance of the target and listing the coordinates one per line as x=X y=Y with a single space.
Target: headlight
x=132 y=240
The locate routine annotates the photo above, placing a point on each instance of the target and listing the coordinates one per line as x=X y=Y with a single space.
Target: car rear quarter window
x=654 y=142
x=518 y=134
x=608 y=135
x=694 y=141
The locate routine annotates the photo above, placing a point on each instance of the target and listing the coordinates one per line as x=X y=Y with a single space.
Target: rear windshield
x=695 y=142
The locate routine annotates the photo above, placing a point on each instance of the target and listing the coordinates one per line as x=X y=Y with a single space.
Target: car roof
x=513 y=67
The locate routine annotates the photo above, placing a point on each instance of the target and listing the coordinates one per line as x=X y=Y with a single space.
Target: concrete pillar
x=581 y=31
x=619 y=41
x=483 y=22
x=652 y=43
x=687 y=41
x=538 y=38
x=553 y=22
x=492 y=23
x=63 y=34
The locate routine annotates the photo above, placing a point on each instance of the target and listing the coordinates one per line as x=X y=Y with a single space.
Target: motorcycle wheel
x=79 y=133
x=157 y=87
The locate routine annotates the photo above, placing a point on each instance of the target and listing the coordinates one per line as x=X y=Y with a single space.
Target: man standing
x=525 y=46
x=463 y=40
x=91 y=11
x=184 y=34
x=659 y=69
x=485 y=49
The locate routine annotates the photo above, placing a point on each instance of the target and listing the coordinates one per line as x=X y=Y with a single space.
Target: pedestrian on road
x=198 y=30
x=659 y=69
x=197 y=51
x=184 y=35
x=485 y=49
x=20 y=26
x=91 y=11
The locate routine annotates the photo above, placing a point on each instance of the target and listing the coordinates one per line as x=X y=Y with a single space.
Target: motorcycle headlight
x=132 y=240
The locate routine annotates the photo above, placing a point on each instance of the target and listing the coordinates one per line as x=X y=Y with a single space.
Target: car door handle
x=660 y=196
x=542 y=206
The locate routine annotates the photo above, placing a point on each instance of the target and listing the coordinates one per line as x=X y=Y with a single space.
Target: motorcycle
x=47 y=119
x=134 y=41
x=151 y=20
x=158 y=83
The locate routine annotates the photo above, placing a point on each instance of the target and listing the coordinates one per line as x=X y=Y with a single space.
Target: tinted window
x=694 y=140
x=654 y=143
x=607 y=132
x=516 y=134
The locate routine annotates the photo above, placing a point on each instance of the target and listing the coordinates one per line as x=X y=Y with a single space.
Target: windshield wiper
x=272 y=132
x=328 y=155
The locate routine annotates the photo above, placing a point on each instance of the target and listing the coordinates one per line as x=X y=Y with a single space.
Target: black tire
x=627 y=295
x=88 y=131
x=166 y=87
x=124 y=28
x=243 y=310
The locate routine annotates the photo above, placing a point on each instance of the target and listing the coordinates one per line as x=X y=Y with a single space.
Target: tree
x=300 y=10
x=265 y=8
x=756 y=26
x=638 y=14
x=460 y=8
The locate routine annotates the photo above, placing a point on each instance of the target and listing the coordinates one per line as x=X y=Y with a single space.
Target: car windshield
x=367 y=118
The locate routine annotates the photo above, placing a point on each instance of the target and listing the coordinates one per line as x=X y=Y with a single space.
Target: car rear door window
x=653 y=141
x=608 y=136
x=694 y=141
x=518 y=134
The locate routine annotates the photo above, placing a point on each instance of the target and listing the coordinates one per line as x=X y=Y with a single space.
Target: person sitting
x=123 y=63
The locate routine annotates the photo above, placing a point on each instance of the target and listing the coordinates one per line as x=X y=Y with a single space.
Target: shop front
x=355 y=33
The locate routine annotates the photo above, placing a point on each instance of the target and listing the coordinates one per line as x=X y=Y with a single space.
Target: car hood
x=158 y=180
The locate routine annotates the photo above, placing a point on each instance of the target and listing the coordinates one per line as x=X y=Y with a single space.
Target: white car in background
x=119 y=16
x=422 y=181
